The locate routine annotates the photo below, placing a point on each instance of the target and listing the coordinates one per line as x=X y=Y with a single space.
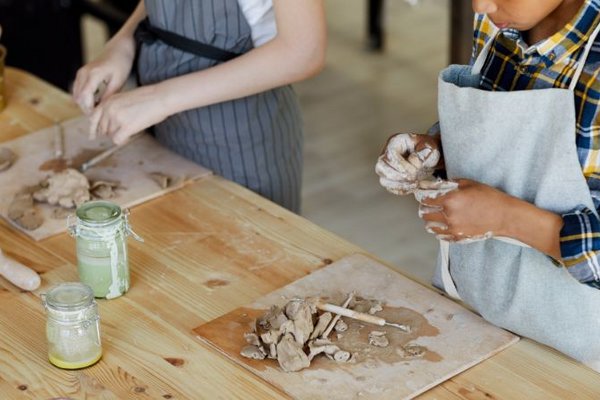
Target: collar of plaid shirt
x=553 y=50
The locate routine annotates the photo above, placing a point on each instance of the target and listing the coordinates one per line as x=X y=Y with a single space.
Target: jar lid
x=98 y=212
x=69 y=296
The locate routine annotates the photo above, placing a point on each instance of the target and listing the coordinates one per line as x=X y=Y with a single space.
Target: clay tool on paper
x=372 y=319
x=107 y=153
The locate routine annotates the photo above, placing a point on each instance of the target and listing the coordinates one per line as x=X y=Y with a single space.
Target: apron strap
x=146 y=33
x=583 y=58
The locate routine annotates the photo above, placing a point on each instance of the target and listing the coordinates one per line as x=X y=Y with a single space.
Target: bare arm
x=296 y=53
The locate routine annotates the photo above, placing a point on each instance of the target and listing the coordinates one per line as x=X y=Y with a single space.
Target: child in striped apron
x=215 y=81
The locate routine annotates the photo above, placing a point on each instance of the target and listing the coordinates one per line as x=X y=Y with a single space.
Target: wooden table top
x=221 y=247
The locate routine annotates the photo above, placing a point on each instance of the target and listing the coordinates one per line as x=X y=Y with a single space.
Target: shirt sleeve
x=580 y=245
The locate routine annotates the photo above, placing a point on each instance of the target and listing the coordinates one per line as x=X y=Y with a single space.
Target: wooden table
x=210 y=248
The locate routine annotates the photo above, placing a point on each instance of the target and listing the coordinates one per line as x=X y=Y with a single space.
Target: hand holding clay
x=463 y=211
x=101 y=78
x=407 y=159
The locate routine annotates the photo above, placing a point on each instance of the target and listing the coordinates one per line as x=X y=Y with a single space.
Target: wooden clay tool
x=18 y=274
x=371 y=319
x=106 y=153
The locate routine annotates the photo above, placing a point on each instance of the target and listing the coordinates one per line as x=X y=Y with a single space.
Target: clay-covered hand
x=468 y=212
x=407 y=159
x=125 y=114
x=101 y=78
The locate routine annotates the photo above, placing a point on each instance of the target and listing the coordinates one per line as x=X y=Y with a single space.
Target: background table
x=210 y=248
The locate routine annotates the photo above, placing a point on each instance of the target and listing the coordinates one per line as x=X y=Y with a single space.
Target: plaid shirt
x=514 y=65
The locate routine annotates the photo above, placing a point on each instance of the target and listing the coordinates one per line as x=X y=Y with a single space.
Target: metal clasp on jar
x=128 y=230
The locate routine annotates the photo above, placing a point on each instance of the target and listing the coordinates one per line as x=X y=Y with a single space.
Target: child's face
x=519 y=14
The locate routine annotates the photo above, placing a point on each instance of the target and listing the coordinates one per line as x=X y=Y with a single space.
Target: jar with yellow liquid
x=72 y=326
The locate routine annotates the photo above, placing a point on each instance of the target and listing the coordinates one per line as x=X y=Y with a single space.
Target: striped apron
x=255 y=141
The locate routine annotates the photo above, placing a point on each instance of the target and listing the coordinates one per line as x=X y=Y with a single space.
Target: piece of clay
x=253 y=352
x=24 y=213
x=164 y=181
x=67 y=189
x=7 y=158
x=378 y=339
x=300 y=311
x=363 y=305
x=273 y=319
x=341 y=326
x=321 y=325
x=319 y=346
x=412 y=351
x=341 y=356
x=252 y=338
x=104 y=190
x=290 y=355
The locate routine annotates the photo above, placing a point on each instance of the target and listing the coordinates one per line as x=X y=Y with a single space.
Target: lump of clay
x=378 y=339
x=253 y=352
x=341 y=326
x=23 y=212
x=104 y=190
x=366 y=305
x=322 y=323
x=164 y=181
x=67 y=189
x=7 y=158
x=301 y=311
x=341 y=356
x=412 y=351
x=290 y=355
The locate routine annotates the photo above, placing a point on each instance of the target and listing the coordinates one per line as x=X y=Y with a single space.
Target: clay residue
x=22 y=210
x=54 y=165
x=104 y=190
x=7 y=158
x=176 y=362
x=83 y=156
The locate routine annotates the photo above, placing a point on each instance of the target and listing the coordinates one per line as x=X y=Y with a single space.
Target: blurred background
x=380 y=78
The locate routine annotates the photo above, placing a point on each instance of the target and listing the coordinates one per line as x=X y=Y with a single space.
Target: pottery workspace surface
x=132 y=166
x=453 y=337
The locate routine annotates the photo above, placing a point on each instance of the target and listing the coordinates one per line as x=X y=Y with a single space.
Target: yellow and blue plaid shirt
x=514 y=65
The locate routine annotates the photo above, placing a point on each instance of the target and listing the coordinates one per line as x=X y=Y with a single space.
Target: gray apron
x=522 y=143
x=255 y=141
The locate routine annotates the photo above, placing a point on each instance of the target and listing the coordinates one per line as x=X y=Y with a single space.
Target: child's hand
x=101 y=78
x=406 y=159
x=473 y=211
x=125 y=114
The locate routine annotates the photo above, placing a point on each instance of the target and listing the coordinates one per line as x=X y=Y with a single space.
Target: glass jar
x=101 y=229
x=72 y=326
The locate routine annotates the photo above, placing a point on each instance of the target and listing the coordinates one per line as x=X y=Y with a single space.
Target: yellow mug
x=2 y=90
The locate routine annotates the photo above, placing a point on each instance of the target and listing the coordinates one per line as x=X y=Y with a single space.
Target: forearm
x=124 y=37
x=534 y=226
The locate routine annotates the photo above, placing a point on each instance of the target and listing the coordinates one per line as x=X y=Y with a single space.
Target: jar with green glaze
x=101 y=229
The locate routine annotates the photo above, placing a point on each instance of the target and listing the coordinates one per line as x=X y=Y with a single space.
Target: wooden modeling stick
x=371 y=319
x=337 y=316
x=18 y=274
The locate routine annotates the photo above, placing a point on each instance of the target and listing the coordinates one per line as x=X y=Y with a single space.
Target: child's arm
x=476 y=210
x=296 y=53
x=112 y=67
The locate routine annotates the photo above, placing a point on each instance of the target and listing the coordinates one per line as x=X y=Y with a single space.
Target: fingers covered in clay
x=405 y=161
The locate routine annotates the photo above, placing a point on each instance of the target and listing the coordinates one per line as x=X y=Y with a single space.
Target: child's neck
x=555 y=21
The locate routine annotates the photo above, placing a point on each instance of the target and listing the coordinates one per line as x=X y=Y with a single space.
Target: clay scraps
x=290 y=335
x=65 y=190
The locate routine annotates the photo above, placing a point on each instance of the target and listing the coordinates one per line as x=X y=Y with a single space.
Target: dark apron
x=255 y=141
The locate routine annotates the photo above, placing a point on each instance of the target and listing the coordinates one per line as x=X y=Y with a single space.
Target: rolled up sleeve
x=580 y=245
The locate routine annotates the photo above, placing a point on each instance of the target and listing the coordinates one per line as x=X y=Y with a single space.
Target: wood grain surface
x=210 y=248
